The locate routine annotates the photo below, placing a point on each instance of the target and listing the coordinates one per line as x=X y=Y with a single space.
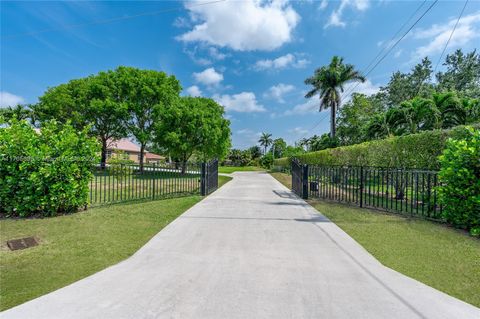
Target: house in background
x=131 y=152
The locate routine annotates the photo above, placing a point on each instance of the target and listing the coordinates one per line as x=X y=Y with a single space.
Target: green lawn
x=75 y=246
x=231 y=169
x=444 y=258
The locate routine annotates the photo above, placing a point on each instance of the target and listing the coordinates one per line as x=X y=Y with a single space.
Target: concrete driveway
x=250 y=250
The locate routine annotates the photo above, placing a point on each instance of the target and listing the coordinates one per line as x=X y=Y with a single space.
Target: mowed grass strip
x=439 y=256
x=75 y=246
x=231 y=169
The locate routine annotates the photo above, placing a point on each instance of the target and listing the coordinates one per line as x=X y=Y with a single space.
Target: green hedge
x=44 y=173
x=410 y=151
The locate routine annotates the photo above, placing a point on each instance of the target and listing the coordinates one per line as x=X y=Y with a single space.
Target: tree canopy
x=193 y=125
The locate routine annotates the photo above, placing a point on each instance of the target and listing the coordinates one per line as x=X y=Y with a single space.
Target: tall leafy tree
x=193 y=125
x=255 y=152
x=265 y=141
x=147 y=94
x=95 y=100
x=462 y=74
x=328 y=82
x=406 y=86
x=278 y=147
x=354 y=116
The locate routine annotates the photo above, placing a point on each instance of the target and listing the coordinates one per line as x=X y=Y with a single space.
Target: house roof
x=123 y=144
x=153 y=156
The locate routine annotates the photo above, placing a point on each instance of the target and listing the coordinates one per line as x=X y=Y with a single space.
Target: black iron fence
x=406 y=191
x=126 y=182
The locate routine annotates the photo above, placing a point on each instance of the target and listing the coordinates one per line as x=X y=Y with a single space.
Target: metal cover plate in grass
x=22 y=243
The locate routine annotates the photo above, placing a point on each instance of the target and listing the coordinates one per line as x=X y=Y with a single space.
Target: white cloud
x=367 y=88
x=243 y=25
x=336 y=17
x=9 y=99
x=282 y=62
x=208 y=77
x=216 y=54
x=278 y=91
x=323 y=5
x=194 y=91
x=468 y=29
x=310 y=106
x=245 y=102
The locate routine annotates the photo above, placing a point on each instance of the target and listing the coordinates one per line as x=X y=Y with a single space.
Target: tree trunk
x=142 y=150
x=333 y=127
x=103 y=159
x=184 y=164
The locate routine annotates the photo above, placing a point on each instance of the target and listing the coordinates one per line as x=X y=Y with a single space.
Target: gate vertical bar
x=305 y=181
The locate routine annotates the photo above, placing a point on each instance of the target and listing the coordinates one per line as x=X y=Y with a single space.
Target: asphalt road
x=250 y=250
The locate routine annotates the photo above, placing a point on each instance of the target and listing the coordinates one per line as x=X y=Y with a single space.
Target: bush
x=460 y=178
x=44 y=173
x=120 y=165
x=266 y=161
x=409 y=151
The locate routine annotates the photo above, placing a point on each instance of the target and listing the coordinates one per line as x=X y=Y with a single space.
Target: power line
x=387 y=53
x=106 y=21
x=390 y=42
x=450 y=38
x=396 y=43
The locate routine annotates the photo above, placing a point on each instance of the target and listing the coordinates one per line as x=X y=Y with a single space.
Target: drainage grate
x=22 y=243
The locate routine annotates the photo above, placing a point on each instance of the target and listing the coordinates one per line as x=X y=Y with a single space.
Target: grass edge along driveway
x=75 y=246
x=439 y=256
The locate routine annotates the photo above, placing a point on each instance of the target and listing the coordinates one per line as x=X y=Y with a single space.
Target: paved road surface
x=250 y=250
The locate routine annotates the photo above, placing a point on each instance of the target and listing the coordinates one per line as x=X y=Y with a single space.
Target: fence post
x=203 y=180
x=305 y=181
x=361 y=186
x=153 y=182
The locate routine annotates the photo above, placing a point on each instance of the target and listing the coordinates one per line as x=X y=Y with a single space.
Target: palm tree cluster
x=441 y=111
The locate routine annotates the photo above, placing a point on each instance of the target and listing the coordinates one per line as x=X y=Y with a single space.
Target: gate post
x=305 y=181
x=361 y=186
x=203 y=180
x=153 y=181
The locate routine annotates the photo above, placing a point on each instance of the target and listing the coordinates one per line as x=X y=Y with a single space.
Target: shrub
x=44 y=173
x=460 y=178
x=410 y=151
x=266 y=161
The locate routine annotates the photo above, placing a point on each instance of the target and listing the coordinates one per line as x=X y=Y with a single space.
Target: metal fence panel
x=406 y=191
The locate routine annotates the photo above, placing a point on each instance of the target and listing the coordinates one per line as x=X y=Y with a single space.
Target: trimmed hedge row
x=410 y=151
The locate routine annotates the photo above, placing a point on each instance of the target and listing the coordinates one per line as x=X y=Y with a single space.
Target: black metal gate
x=300 y=179
x=209 y=179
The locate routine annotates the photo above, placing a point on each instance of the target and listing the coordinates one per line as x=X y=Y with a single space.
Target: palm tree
x=265 y=141
x=452 y=111
x=328 y=82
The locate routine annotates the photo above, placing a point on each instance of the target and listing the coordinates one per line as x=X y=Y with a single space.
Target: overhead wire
x=386 y=54
x=116 y=19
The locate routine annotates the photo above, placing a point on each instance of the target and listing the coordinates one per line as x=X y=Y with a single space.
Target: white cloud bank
x=285 y=61
x=8 y=99
x=208 y=77
x=437 y=35
x=278 y=91
x=245 y=102
x=246 y=25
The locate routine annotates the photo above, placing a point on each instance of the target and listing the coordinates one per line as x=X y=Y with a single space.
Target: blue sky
x=251 y=56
